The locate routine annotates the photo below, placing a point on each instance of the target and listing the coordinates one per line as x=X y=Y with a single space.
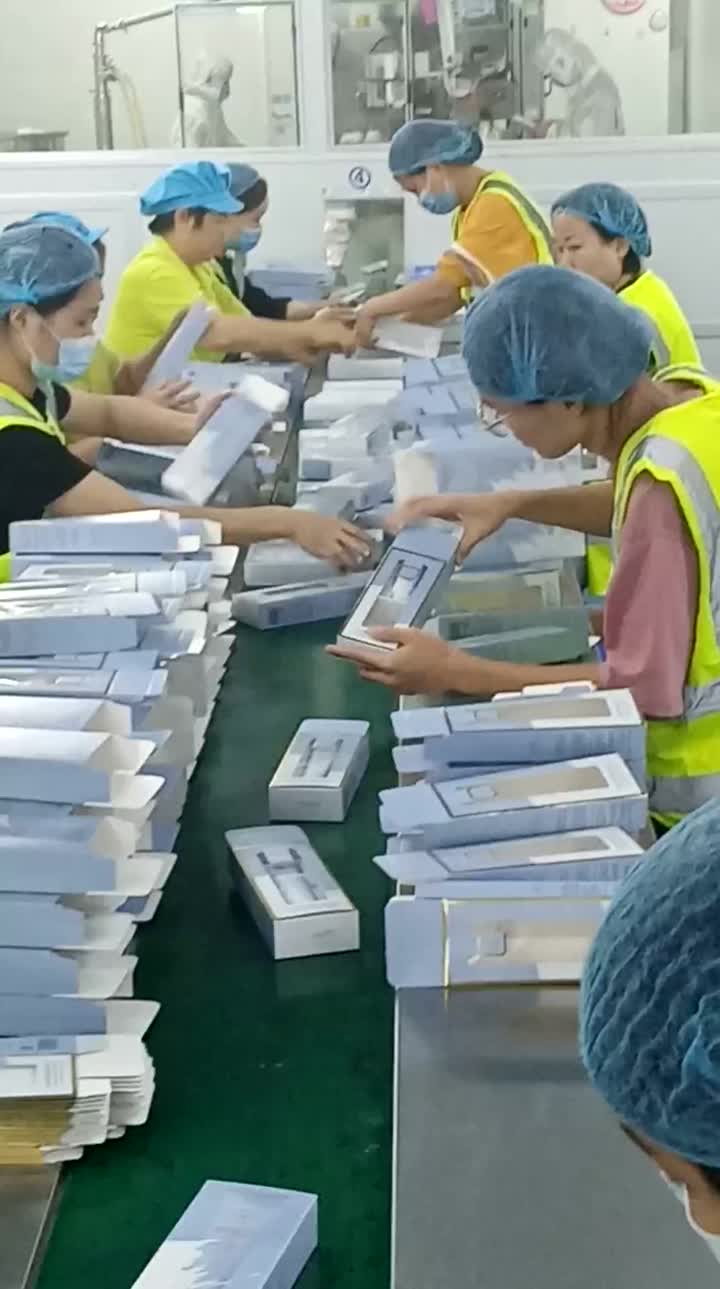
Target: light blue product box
x=298 y=906
x=171 y=361
x=75 y=768
x=424 y=371
x=367 y=484
x=234 y=1236
x=285 y=606
x=151 y=532
x=320 y=772
x=281 y=563
x=376 y=517
x=596 y=792
x=38 y=972
x=539 y=646
x=599 y=855
x=409 y=581
x=527 y=729
x=497 y=936
x=33 y=864
x=34 y=632
x=424 y=400
x=51 y=1044
x=203 y=465
x=39 y=924
x=22 y=1015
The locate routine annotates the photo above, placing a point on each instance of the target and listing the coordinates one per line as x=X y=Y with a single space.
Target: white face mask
x=680 y=1192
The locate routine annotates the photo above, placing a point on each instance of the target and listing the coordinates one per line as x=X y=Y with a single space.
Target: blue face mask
x=246 y=241
x=439 y=203
x=74 y=357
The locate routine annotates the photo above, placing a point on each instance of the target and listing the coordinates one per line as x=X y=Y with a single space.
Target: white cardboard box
x=298 y=906
x=320 y=772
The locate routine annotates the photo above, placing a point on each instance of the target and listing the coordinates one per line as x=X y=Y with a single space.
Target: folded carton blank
x=320 y=772
x=51 y=765
x=589 y=793
x=237 y=1236
x=298 y=906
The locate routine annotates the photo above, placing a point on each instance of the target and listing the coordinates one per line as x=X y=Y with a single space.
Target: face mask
x=681 y=1194
x=246 y=241
x=74 y=357
x=439 y=203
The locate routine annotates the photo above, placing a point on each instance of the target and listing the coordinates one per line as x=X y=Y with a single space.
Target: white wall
x=702 y=65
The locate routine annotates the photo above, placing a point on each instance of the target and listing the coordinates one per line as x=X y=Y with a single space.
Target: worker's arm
x=586 y=508
x=331 y=539
x=432 y=299
x=131 y=420
x=424 y=664
x=294 y=341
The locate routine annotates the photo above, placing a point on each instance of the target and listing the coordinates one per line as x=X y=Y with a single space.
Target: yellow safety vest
x=681 y=447
x=673 y=340
x=15 y=410
x=599 y=562
x=539 y=231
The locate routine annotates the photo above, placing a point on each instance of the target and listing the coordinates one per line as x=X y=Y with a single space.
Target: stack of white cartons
x=111 y=655
x=520 y=821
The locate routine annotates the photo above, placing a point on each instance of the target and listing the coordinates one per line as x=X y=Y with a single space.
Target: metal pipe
x=103 y=72
x=124 y=24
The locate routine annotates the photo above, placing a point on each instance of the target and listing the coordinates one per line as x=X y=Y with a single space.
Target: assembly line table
x=509 y=1173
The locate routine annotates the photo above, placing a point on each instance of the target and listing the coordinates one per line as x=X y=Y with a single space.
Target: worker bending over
x=495 y=227
x=650 y=1015
x=189 y=208
x=45 y=275
x=564 y=363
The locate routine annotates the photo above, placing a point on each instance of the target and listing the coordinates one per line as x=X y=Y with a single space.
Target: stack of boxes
x=112 y=650
x=519 y=821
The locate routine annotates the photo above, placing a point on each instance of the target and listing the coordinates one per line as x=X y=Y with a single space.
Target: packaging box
x=320 y=772
x=202 y=466
x=233 y=1236
x=546 y=585
x=89 y=578
x=78 y=768
x=340 y=399
x=528 y=728
x=599 y=855
x=285 y=606
x=280 y=563
x=140 y=532
x=368 y=485
x=44 y=973
x=596 y=792
x=30 y=631
x=425 y=371
x=27 y=922
x=90 y=715
x=36 y=1019
x=407 y=338
x=408 y=582
x=36 y=865
x=171 y=362
x=132 y=685
x=492 y=940
x=296 y=903
x=364 y=366
x=536 y=646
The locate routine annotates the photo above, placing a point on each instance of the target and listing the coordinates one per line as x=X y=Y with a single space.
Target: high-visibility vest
x=533 y=220
x=673 y=340
x=680 y=447
x=599 y=563
x=17 y=411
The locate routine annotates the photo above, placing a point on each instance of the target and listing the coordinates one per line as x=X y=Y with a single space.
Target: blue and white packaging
x=199 y=470
x=44 y=973
x=408 y=583
x=368 y=485
x=285 y=606
x=233 y=1236
x=132 y=684
x=320 y=771
x=411 y=338
x=599 y=855
x=139 y=532
x=596 y=792
x=364 y=366
x=27 y=922
x=171 y=361
x=498 y=936
x=32 y=865
x=91 y=715
x=297 y=904
x=425 y=371
x=339 y=399
x=77 y=768
x=280 y=563
x=529 y=728
x=85 y=1025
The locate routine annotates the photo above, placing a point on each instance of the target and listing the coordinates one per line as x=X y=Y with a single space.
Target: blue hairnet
x=650 y=1003
x=420 y=144
x=550 y=335
x=41 y=261
x=242 y=179
x=60 y=219
x=612 y=210
x=201 y=185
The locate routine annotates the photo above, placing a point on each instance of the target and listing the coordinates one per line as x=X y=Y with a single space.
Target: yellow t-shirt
x=155 y=287
x=102 y=373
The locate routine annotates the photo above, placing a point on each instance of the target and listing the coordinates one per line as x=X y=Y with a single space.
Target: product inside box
x=555 y=780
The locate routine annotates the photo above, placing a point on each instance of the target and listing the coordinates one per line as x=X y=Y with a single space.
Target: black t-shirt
x=259 y=302
x=35 y=467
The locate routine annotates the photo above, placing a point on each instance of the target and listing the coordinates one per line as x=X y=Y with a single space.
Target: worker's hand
x=421 y=663
x=333 y=539
x=330 y=335
x=207 y=405
x=480 y=514
x=174 y=396
x=365 y=323
x=343 y=313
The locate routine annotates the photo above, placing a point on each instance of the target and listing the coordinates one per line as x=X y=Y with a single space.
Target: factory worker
x=49 y=289
x=564 y=362
x=650 y=1015
x=202 y=123
x=593 y=103
x=107 y=374
x=243 y=235
x=189 y=209
x=601 y=229
x=495 y=226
